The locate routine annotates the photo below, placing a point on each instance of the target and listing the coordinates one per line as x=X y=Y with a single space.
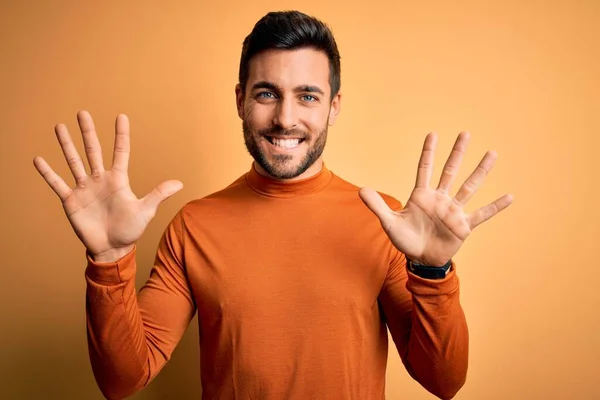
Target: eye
x=265 y=95
x=309 y=98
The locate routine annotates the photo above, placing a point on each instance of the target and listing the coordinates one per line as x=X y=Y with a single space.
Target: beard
x=281 y=166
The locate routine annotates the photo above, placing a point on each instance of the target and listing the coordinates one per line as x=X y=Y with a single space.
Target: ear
x=239 y=100
x=336 y=107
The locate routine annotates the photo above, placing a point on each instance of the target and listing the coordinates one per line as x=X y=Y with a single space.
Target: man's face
x=286 y=109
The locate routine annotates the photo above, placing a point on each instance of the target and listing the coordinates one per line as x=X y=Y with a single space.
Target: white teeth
x=286 y=143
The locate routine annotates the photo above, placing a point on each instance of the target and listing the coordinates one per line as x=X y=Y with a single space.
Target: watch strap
x=427 y=271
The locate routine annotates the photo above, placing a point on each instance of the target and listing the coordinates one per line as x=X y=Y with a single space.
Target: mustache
x=277 y=131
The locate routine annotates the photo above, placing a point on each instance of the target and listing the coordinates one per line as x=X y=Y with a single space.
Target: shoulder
x=391 y=201
x=218 y=201
x=339 y=183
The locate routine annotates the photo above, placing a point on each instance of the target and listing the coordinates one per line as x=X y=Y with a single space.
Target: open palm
x=432 y=226
x=103 y=211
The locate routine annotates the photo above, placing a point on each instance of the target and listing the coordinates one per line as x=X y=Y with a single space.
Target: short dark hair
x=291 y=30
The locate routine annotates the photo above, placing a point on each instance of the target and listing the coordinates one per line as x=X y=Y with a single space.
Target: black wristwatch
x=427 y=271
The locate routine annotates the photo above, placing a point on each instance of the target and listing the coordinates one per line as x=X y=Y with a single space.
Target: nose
x=285 y=115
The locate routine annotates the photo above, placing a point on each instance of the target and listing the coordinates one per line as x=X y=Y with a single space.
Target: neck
x=304 y=185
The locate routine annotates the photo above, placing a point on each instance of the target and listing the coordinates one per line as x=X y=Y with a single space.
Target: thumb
x=160 y=193
x=375 y=202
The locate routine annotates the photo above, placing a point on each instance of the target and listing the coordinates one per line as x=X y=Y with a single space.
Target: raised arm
x=428 y=327
x=428 y=232
x=130 y=338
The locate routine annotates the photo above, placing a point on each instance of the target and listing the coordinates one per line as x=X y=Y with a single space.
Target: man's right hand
x=103 y=211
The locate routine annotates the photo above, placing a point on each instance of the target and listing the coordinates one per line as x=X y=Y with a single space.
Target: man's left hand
x=433 y=225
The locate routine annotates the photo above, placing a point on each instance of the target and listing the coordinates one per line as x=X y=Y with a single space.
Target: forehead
x=290 y=68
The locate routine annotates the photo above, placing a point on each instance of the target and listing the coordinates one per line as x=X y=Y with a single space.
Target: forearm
x=437 y=351
x=117 y=343
x=132 y=336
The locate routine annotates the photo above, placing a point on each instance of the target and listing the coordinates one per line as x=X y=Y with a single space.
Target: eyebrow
x=297 y=89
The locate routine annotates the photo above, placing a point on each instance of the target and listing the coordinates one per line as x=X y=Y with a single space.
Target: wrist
x=112 y=255
x=429 y=271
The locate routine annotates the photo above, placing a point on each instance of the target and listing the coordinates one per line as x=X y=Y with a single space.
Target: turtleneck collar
x=279 y=188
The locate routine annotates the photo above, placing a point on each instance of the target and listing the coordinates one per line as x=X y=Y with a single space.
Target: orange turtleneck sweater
x=295 y=285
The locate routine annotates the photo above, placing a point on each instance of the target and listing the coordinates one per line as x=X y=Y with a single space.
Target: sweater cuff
x=111 y=273
x=433 y=287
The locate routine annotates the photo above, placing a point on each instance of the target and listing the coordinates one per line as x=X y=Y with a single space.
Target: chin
x=284 y=169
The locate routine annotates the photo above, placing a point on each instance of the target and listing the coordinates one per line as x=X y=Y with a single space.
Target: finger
x=377 y=205
x=54 y=181
x=425 y=169
x=91 y=143
x=487 y=212
x=453 y=163
x=70 y=152
x=122 y=146
x=474 y=181
x=159 y=194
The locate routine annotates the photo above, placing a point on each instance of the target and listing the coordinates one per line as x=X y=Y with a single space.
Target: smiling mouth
x=284 y=143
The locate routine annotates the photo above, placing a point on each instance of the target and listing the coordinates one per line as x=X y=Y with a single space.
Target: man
x=295 y=274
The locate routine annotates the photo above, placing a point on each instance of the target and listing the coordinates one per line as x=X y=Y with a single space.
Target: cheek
x=248 y=110
x=315 y=120
x=258 y=114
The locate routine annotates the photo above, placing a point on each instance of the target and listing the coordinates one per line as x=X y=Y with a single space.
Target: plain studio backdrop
x=522 y=77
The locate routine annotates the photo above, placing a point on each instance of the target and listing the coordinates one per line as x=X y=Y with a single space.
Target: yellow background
x=522 y=77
